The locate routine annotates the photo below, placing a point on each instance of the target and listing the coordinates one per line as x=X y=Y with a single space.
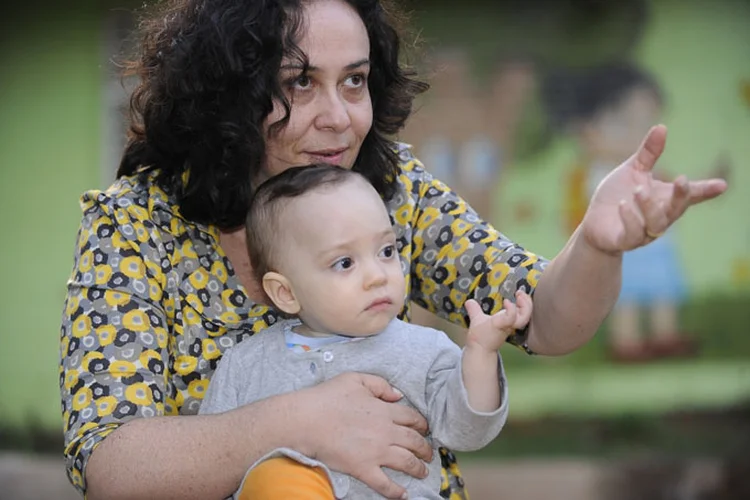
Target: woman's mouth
x=330 y=156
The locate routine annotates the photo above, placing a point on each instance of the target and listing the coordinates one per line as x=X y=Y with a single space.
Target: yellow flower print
x=170 y=407
x=115 y=299
x=81 y=326
x=86 y=261
x=199 y=278
x=122 y=369
x=219 y=271
x=161 y=337
x=119 y=242
x=139 y=393
x=106 y=405
x=184 y=365
x=133 y=267
x=154 y=291
x=138 y=213
x=82 y=399
x=210 y=351
x=459 y=227
x=140 y=232
x=404 y=214
x=146 y=356
x=88 y=358
x=230 y=318
x=427 y=217
x=455 y=250
x=71 y=305
x=102 y=273
x=106 y=334
x=497 y=274
x=533 y=277
x=457 y=298
x=71 y=379
x=136 y=320
x=197 y=388
x=188 y=251
x=76 y=478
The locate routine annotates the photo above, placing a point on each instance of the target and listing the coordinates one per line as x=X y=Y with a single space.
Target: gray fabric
x=423 y=363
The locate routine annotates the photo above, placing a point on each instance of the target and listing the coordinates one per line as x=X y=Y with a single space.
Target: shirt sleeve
x=113 y=342
x=457 y=255
x=453 y=422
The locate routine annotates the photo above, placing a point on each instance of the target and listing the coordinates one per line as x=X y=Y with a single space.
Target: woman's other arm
x=629 y=209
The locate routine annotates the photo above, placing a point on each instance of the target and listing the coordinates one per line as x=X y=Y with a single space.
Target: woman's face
x=331 y=111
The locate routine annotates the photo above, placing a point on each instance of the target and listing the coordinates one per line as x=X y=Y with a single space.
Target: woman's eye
x=302 y=82
x=343 y=264
x=356 y=81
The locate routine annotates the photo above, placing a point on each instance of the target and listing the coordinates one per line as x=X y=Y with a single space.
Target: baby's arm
x=486 y=335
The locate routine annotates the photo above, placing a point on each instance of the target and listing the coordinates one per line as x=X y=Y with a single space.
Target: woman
x=234 y=91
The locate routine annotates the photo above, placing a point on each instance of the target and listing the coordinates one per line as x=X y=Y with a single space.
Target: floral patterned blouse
x=153 y=302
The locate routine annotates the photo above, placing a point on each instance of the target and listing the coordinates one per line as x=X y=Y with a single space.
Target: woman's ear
x=280 y=291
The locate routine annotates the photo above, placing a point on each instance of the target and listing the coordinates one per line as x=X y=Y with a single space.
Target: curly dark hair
x=208 y=77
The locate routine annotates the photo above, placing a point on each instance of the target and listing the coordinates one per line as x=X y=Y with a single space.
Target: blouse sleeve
x=457 y=255
x=113 y=342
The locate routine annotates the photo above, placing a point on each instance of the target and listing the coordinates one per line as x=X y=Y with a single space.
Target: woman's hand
x=351 y=424
x=631 y=208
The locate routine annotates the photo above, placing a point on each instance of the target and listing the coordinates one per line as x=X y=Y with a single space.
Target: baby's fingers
x=506 y=318
x=524 y=309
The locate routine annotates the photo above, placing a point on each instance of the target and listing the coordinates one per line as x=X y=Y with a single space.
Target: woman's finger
x=706 y=189
x=409 y=439
x=651 y=148
x=632 y=234
x=680 y=198
x=376 y=479
x=379 y=387
x=402 y=460
x=655 y=217
x=407 y=417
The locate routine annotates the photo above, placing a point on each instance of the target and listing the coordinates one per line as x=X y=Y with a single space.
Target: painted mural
x=526 y=138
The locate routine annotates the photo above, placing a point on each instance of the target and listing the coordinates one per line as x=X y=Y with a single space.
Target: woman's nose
x=333 y=113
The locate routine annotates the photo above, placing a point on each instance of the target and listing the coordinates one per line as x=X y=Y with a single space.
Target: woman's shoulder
x=135 y=199
x=137 y=196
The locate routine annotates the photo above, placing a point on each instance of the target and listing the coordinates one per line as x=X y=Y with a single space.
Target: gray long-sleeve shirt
x=423 y=363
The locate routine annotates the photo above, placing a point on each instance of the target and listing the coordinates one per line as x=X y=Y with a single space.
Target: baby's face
x=341 y=259
x=617 y=132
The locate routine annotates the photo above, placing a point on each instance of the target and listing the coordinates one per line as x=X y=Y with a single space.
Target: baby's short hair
x=267 y=203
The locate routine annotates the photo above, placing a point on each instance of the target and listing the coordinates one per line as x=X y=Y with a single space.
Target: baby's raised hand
x=490 y=332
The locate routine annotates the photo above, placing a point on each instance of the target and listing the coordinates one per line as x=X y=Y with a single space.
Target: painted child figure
x=325 y=253
x=613 y=106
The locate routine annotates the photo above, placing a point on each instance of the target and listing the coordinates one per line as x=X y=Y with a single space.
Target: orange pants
x=283 y=478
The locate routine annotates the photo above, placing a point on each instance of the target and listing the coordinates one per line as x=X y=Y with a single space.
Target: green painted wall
x=49 y=154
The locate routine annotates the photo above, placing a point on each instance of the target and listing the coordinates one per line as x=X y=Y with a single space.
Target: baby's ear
x=281 y=293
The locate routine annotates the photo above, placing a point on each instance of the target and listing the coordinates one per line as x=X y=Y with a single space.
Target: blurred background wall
x=493 y=127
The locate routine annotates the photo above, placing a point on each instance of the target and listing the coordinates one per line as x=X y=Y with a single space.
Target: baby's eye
x=343 y=264
x=388 y=252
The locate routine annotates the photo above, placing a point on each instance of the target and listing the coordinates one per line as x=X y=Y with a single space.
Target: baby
x=324 y=251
